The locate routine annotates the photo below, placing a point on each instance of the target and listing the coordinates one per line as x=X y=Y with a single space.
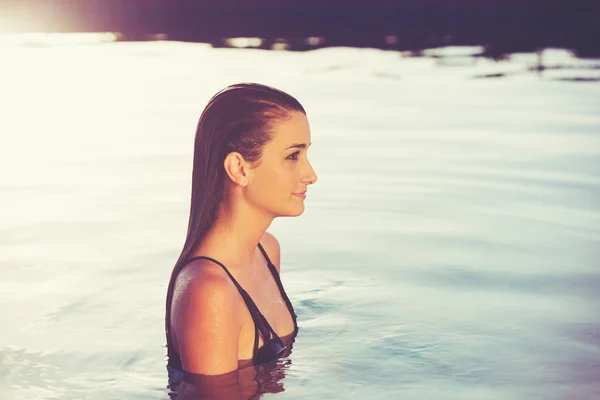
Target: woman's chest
x=267 y=302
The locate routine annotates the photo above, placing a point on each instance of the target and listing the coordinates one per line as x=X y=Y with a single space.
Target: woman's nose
x=311 y=176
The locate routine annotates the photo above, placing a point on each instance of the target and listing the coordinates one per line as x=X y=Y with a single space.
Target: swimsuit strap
x=261 y=325
x=279 y=285
x=260 y=322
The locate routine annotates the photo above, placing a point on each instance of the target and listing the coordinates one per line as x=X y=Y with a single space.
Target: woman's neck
x=235 y=234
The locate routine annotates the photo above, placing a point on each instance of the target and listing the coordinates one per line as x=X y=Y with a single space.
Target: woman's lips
x=302 y=195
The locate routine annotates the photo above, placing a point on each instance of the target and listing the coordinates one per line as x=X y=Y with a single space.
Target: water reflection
x=245 y=383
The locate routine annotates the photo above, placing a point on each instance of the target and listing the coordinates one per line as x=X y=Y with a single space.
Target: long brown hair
x=239 y=119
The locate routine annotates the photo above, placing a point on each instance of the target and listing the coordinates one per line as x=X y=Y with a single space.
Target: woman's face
x=278 y=184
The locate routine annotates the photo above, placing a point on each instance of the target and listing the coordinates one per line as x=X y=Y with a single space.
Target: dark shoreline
x=407 y=25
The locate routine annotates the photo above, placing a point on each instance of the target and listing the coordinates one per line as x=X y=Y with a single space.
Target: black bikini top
x=273 y=346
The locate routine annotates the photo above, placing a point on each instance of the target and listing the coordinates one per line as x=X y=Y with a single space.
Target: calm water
x=450 y=249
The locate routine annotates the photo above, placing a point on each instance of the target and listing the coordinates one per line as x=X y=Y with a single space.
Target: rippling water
x=450 y=249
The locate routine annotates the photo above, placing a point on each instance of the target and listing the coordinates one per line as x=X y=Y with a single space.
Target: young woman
x=226 y=306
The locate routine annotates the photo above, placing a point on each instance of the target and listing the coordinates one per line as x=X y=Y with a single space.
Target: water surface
x=449 y=250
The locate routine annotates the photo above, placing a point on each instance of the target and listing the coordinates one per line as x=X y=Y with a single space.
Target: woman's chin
x=295 y=211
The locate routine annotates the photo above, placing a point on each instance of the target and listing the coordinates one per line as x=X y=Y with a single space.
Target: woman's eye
x=293 y=156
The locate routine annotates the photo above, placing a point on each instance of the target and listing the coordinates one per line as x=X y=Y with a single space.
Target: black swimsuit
x=273 y=347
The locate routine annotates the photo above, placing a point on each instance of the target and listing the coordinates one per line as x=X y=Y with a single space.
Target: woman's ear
x=237 y=168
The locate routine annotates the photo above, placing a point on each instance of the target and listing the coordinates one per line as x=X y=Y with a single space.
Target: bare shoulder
x=205 y=319
x=271 y=245
x=201 y=277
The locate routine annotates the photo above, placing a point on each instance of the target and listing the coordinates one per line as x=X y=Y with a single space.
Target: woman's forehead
x=294 y=130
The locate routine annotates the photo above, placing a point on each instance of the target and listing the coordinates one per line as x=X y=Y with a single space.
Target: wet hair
x=240 y=119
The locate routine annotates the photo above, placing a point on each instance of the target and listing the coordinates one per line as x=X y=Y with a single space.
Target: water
x=450 y=249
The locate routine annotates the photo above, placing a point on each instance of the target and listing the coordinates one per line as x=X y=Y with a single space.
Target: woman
x=226 y=306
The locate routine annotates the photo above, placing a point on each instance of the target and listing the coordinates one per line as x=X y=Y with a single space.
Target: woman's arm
x=206 y=322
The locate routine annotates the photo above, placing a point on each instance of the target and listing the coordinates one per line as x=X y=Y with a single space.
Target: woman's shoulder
x=271 y=246
x=206 y=310
x=203 y=281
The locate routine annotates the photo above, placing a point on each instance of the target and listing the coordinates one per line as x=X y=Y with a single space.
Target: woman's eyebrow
x=298 y=146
